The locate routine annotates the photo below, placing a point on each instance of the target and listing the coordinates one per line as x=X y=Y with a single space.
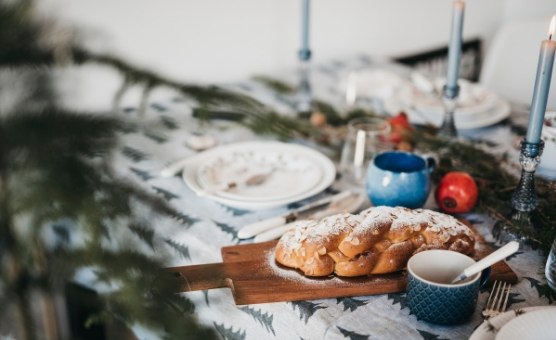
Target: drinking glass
x=365 y=138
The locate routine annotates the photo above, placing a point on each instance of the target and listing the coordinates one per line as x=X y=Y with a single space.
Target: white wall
x=218 y=41
x=227 y=40
x=529 y=10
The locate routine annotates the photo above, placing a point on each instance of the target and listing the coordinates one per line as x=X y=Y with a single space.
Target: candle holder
x=304 y=95
x=524 y=198
x=449 y=99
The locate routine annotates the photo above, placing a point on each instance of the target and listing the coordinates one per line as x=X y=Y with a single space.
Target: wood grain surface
x=254 y=277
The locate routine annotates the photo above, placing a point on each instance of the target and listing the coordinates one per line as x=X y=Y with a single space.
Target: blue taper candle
x=542 y=86
x=305 y=52
x=454 y=50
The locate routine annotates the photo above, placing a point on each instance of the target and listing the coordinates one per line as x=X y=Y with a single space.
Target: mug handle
x=431 y=161
x=485 y=274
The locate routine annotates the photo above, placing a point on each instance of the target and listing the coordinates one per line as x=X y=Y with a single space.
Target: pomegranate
x=456 y=193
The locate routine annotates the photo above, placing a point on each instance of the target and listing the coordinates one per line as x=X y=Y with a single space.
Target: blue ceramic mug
x=430 y=294
x=396 y=178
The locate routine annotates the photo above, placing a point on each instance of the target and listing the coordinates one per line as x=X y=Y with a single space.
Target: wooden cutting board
x=254 y=277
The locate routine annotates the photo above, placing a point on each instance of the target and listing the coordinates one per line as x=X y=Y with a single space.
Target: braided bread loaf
x=378 y=240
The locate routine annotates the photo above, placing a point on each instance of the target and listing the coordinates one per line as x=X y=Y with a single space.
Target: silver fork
x=497 y=300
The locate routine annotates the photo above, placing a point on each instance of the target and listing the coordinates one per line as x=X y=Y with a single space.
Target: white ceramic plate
x=484 y=331
x=533 y=325
x=279 y=171
x=499 y=112
x=477 y=107
x=322 y=167
x=473 y=98
x=478 y=100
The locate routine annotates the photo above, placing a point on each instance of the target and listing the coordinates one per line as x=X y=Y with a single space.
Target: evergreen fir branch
x=144 y=175
x=274 y=124
x=206 y=295
x=205 y=114
x=19 y=37
x=165 y=193
x=275 y=85
x=265 y=319
x=159 y=107
x=306 y=309
x=128 y=127
x=496 y=185
x=350 y=303
x=519 y=312
x=352 y=335
x=134 y=154
x=204 y=95
x=62 y=233
x=228 y=229
x=514 y=255
x=490 y=327
x=156 y=137
x=169 y=122
x=181 y=249
x=229 y=333
x=543 y=289
x=145 y=234
x=430 y=336
x=157 y=203
x=398 y=298
x=514 y=298
x=184 y=218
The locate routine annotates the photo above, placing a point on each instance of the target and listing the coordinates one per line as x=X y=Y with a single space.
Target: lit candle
x=454 y=50
x=542 y=86
x=305 y=52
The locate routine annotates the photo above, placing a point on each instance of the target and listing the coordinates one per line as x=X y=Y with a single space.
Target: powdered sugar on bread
x=370 y=241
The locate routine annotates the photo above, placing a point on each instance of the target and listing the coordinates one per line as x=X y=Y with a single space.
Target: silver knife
x=256 y=228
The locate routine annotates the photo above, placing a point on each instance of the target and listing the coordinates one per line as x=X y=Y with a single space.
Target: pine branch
x=496 y=185
x=265 y=319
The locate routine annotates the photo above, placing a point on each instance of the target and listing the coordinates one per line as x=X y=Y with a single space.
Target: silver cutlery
x=174 y=168
x=259 y=227
x=497 y=300
x=276 y=232
x=252 y=180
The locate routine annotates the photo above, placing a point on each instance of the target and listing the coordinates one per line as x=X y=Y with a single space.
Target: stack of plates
x=476 y=106
x=259 y=175
x=532 y=323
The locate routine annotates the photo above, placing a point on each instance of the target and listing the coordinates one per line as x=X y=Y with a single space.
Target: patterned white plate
x=294 y=172
x=260 y=171
x=489 y=329
x=500 y=111
x=477 y=106
x=533 y=325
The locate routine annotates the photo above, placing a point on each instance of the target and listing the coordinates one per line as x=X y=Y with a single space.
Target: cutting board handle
x=201 y=277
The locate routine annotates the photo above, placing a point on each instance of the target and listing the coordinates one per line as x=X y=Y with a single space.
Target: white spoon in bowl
x=488 y=261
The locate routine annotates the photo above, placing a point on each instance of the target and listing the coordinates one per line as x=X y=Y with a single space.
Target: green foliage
x=275 y=84
x=18 y=36
x=496 y=185
x=265 y=319
x=52 y=168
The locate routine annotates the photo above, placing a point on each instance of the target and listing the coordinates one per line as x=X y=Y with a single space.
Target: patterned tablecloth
x=203 y=227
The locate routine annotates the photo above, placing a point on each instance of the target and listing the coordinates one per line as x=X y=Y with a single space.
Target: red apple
x=456 y=193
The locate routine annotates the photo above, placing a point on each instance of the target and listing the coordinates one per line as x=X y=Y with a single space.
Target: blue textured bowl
x=430 y=295
x=440 y=305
